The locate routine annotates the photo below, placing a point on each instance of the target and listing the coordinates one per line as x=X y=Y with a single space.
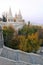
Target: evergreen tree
x=4 y=19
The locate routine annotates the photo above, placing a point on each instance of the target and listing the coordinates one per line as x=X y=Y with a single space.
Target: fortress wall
x=16 y=25
x=18 y=55
x=5 y=61
x=1 y=38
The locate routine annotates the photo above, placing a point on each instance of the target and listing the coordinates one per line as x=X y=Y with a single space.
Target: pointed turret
x=10 y=12
x=9 y=16
x=19 y=15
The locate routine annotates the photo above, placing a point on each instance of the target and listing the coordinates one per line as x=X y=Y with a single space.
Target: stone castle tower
x=8 y=15
x=18 y=17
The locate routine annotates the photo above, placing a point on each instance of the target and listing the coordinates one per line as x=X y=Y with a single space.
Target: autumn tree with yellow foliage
x=26 y=40
x=33 y=42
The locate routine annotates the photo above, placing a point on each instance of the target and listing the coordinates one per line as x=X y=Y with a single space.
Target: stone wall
x=18 y=55
x=17 y=25
x=1 y=38
x=5 y=61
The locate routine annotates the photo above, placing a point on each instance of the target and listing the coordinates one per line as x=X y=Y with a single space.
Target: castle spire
x=19 y=14
x=9 y=16
x=10 y=12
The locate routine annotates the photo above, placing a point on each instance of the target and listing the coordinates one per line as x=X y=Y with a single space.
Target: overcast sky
x=31 y=9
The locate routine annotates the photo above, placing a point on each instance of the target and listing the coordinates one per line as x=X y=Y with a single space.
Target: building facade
x=17 y=22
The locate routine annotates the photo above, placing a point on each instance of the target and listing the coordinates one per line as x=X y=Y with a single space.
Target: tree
x=26 y=40
x=28 y=30
x=14 y=44
x=4 y=19
x=22 y=43
x=8 y=33
x=33 y=42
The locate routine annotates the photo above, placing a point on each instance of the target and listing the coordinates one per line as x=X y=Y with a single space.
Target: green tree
x=15 y=42
x=4 y=19
x=28 y=29
x=8 y=33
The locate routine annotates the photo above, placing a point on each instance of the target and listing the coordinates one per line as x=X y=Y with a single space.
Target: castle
x=17 y=22
x=16 y=57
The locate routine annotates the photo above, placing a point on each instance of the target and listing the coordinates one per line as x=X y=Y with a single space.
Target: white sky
x=31 y=9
